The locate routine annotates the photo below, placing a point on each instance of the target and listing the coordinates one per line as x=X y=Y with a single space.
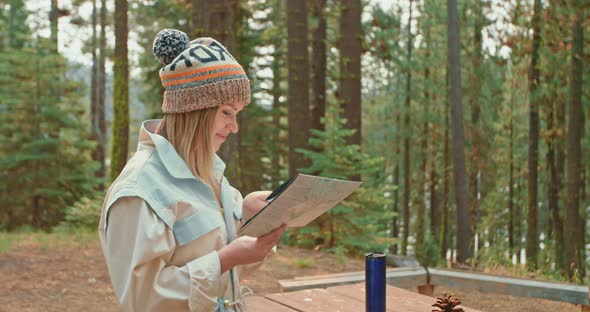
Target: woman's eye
x=226 y=113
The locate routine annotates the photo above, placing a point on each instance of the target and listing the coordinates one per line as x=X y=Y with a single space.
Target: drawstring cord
x=224 y=304
x=245 y=291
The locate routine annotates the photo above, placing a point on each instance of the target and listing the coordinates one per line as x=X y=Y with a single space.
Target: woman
x=169 y=221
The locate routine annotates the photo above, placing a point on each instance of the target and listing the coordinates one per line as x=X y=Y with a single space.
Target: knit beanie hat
x=198 y=74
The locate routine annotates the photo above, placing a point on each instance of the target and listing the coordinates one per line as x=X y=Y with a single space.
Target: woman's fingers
x=273 y=237
x=262 y=195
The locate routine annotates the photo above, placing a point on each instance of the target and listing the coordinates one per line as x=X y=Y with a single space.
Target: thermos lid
x=375 y=254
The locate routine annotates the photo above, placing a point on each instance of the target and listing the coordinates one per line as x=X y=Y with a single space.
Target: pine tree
x=385 y=114
x=358 y=223
x=45 y=150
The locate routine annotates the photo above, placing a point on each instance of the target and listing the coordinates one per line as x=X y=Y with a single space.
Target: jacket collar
x=173 y=163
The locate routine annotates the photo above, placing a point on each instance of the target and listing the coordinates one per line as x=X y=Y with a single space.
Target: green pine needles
x=45 y=153
x=360 y=223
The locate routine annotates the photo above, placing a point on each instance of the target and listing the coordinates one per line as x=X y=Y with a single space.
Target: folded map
x=297 y=202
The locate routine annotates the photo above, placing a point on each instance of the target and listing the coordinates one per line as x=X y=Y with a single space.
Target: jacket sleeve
x=137 y=247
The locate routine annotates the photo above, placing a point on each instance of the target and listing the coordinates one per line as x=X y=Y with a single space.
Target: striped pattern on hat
x=203 y=75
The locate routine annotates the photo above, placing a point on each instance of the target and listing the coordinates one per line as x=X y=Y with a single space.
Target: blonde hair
x=190 y=134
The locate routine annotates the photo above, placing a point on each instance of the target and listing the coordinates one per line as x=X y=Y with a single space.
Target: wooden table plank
x=318 y=300
x=261 y=304
x=397 y=299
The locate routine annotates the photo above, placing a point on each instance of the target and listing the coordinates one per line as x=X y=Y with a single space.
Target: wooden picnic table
x=346 y=298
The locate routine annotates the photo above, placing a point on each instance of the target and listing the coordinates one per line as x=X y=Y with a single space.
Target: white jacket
x=161 y=228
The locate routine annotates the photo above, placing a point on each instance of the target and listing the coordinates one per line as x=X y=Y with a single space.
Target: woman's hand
x=246 y=249
x=254 y=202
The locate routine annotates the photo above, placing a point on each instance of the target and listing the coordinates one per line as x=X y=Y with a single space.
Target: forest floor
x=66 y=272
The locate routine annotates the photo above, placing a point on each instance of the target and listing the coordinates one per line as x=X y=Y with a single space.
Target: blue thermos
x=375 y=281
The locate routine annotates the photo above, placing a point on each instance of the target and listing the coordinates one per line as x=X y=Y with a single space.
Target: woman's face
x=224 y=123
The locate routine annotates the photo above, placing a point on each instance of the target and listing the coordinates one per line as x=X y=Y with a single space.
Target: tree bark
x=532 y=236
x=421 y=209
x=395 y=248
x=560 y=107
x=221 y=23
x=511 y=171
x=298 y=94
x=460 y=175
x=120 y=140
x=199 y=18
x=93 y=92
x=434 y=204
x=407 y=187
x=53 y=25
x=36 y=209
x=475 y=109
x=555 y=224
x=319 y=66
x=276 y=116
x=100 y=93
x=350 y=66
x=574 y=220
x=444 y=229
x=395 y=220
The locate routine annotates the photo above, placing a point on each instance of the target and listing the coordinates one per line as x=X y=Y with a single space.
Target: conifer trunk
x=395 y=220
x=421 y=211
x=35 y=206
x=199 y=18
x=93 y=91
x=555 y=226
x=444 y=228
x=350 y=67
x=53 y=22
x=120 y=140
x=532 y=237
x=407 y=187
x=434 y=204
x=278 y=63
x=475 y=109
x=298 y=94
x=319 y=66
x=574 y=221
x=458 y=139
x=100 y=93
x=396 y=172
x=511 y=172
x=276 y=117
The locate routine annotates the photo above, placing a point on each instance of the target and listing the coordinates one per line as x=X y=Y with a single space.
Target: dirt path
x=67 y=273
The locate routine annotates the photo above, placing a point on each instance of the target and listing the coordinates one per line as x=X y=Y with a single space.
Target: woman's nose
x=233 y=125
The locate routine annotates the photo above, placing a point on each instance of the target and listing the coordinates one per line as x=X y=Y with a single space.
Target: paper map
x=303 y=200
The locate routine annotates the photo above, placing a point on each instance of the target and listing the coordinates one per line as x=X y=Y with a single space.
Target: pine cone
x=447 y=303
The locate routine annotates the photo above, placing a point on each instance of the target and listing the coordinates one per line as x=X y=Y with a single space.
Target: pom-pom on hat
x=198 y=74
